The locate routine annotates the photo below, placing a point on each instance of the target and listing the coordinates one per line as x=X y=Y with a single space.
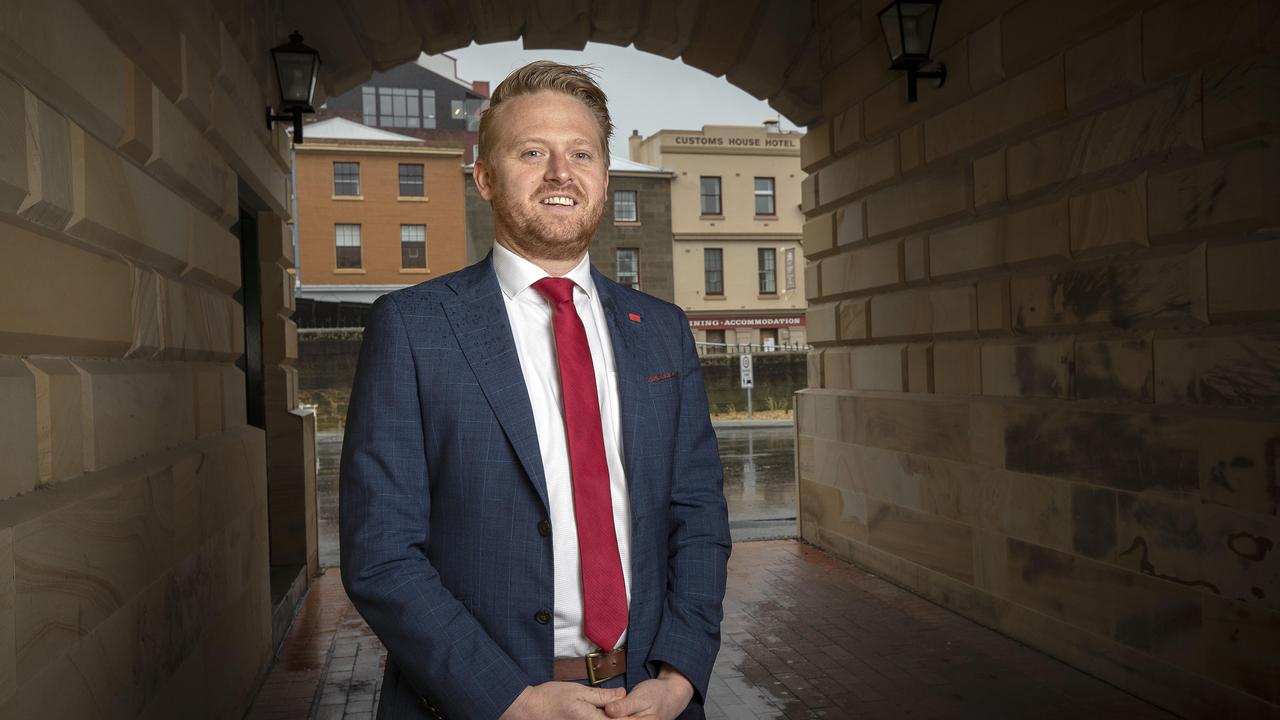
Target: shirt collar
x=516 y=274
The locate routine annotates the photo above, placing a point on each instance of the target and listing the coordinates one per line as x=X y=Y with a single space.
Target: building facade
x=633 y=242
x=736 y=224
x=424 y=99
x=376 y=211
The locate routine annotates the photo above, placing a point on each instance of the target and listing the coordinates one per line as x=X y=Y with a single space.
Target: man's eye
x=532 y=153
x=582 y=155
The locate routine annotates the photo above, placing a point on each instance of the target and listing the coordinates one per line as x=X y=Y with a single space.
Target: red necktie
x=604 y=595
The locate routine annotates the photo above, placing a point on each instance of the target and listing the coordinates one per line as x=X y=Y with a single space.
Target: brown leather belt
x=595 y=668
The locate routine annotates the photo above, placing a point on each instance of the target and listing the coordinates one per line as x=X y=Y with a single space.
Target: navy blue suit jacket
x=442 y=492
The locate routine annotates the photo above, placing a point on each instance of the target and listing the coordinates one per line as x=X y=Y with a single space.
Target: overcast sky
x=646 y=92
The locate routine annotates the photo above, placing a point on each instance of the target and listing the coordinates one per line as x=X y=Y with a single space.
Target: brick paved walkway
x=805 y=636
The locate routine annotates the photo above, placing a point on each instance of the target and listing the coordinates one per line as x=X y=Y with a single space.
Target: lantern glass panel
x=908 y=31
x=297 y=77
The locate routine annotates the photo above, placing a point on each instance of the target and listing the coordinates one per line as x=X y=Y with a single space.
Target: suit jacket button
x=542 y=616
x=544 y=528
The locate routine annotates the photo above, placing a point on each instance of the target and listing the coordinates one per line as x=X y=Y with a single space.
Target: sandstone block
x=60 y=416
x=839 y=35
x=887 y=109
x=1241 y=99
x=1235 y=470
x=1134 y=451
x=808 y=193
x=957 y=368
x=986 y=68
x=819 y=234
x=1033 y=97
x=836 y=374
x=994 y=315
x=927 y=540
x=1093 y=522
x=19 y=429
x=213 y=255
x=815 y=146
x=197 y=84
x=184 y=159
x=197 y=323
x=1023 y=237
x=1161 y=125
x=137 y=142
x=911 y=148
x=714 y=46
x=275 y=242
x=246 y=148
x=1038 y=29
x=812 y=285
x=122 y=209
x=986 y=433
x=869 y=268
x=902 y=314
x=1242 y=371
x=234 y=414
x=989 y=186
x=1061 y=585
x=852 y=174
x=49 y=184
x=120 y=401
x=1180 y=36
x=1220 y=196
x=1105 y=67
x=146 y=308
x=1027 y=369
x=846 y=129
x=879 y=367
x=13 y=147
x=915 y=257
x=1239 y=642
x=91 y=315
x=854 y=319
x=813 y=364
x=834 y=510
x=67 y=60
x=850 y=222
x=1163 y=291
x=920 y=367
x=855 y=79
x=1241 y=281
x=931 y=198
x=921 y=426
x=1114 y=370
x=1111 y=219
x=820 y=322
x=990 y=562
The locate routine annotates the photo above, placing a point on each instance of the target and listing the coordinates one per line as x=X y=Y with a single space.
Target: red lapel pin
x=633 y=317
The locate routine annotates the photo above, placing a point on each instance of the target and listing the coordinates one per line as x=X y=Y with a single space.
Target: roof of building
x=617 y=163
x=342 y=129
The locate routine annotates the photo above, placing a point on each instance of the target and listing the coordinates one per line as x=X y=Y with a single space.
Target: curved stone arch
x=768 y=48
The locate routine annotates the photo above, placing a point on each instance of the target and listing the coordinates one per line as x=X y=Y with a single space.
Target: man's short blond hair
x=540 y=75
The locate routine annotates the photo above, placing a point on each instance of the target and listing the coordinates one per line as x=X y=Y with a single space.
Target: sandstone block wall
x=1047 y=377
x=133 y=495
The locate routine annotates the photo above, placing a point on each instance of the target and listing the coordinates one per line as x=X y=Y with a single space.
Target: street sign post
x=747 y=377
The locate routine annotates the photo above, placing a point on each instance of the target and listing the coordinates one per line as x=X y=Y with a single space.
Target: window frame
x=771 y=194
x=770 y=273
x=405 y=243
x=718 y=195
x=421 y=180
x=338 y=262
x=634 y=284
x=635 y=206
x=345 y=178
x=707 y=272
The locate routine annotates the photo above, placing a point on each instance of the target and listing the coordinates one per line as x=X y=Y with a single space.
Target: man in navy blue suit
x=532 y=512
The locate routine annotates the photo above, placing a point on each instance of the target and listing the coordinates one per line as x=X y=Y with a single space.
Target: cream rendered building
x=736 y=231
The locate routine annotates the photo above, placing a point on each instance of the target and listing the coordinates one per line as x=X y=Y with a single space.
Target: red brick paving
x=805 y=636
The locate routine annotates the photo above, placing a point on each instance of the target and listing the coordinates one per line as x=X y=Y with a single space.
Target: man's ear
x=483 y=178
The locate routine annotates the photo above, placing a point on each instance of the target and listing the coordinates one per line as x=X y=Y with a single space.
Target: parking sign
x=745 y=366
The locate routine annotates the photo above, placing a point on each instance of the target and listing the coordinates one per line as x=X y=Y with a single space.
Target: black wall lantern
x=297 y=67
x=908 y=31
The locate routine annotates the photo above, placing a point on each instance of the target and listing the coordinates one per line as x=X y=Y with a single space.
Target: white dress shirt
x=530 y=315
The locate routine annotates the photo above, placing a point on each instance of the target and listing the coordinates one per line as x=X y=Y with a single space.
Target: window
x=348 y=241
x=764 y=196
x=624 y=206
x=468 y=110
x=716 y=337
x=346 y=178
x=411 y=181
x=710 y=188
x=629 y=267
x=398 y=107
x=769 y=339
x=790 y=268
x=768 y=263
x=713 y=269
x=413 y=246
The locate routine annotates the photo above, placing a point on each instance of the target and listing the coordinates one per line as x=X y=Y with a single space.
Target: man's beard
x=547 y=238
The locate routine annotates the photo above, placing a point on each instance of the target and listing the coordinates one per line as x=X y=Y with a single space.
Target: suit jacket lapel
x=628 y=355
x=483 y=330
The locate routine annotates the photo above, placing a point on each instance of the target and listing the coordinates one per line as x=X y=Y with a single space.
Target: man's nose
x=557 y=169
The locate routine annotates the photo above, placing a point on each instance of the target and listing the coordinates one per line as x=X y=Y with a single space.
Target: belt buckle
x=591 y=668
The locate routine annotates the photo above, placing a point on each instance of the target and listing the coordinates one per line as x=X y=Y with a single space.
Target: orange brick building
x=376 y=211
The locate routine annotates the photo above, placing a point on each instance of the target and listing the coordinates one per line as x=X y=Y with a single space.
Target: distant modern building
x=736 y=229
x=424 y=99
x=376 y=211
x=633 y=243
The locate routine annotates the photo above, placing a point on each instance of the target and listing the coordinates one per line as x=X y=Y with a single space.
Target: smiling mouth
x=561 y=200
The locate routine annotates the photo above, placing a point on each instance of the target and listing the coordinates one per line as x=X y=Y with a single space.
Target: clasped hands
x=662 y=698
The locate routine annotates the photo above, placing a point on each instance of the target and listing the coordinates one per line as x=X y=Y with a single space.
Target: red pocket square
x=662 y=376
